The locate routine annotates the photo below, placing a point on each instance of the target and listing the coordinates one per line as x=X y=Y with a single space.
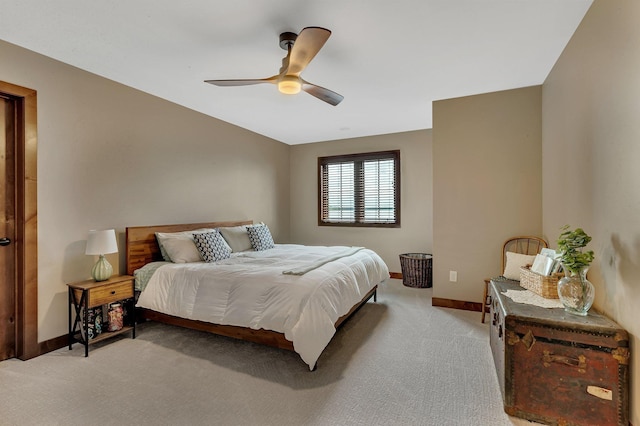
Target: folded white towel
x=318 y=263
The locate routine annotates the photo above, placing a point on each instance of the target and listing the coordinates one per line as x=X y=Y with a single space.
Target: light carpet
x=399 y=361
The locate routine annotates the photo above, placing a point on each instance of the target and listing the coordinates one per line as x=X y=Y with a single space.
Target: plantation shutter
x=378 y=177
x=360 y=189
x=339 y=192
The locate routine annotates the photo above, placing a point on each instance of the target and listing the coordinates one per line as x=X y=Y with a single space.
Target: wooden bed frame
x=142 y=248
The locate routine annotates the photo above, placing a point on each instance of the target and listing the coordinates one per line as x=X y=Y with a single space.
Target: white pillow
x=514 y=262
x=237 y=237
x=163 y=237
x=181 y=250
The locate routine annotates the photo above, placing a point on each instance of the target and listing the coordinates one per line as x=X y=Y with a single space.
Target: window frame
x=358 y=159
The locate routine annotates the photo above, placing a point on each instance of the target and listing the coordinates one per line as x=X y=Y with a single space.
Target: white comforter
x=250 y=290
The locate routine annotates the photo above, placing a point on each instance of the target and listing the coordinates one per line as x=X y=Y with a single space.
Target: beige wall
x=110 y=157
x=415 y=234
x=487 y=184
x=591 y=157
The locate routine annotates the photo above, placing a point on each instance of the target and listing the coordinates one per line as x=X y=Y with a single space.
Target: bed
x=288 y=296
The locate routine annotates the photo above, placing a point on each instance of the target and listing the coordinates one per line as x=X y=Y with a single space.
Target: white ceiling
x=389 y=59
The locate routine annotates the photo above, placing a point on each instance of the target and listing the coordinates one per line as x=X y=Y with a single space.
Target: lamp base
x=102 y=270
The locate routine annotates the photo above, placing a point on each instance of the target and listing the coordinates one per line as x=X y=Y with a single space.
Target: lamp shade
x=102 y=242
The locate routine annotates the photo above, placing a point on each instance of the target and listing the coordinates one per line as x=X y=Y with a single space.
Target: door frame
x=26 y=220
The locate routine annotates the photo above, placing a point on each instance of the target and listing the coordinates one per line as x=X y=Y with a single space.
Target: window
x=359 y=189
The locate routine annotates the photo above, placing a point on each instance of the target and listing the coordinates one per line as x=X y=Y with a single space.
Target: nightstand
x=88 y=294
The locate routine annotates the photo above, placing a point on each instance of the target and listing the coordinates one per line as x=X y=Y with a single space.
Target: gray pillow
x=237 y=238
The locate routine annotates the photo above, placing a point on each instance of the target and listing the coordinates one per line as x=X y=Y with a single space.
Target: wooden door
x=7 y=228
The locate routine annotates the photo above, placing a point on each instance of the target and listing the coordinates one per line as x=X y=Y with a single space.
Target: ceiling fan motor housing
x=287 y=39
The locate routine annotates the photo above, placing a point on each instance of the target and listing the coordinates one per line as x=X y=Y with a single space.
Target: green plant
x=570 y=244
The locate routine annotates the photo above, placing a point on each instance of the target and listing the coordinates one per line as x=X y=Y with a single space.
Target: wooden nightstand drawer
x=111 y=293
x=104 y=292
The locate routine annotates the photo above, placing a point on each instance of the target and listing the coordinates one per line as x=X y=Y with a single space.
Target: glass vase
x=116 y=320
x=576 y=292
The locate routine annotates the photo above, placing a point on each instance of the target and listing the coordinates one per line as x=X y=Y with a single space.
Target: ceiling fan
x=301 y=49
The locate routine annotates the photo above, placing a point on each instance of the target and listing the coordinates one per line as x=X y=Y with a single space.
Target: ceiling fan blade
x=321 y=93
x=243 y=82
x=307 y=45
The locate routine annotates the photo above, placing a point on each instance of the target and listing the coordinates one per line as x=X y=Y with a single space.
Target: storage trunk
x=558 y=368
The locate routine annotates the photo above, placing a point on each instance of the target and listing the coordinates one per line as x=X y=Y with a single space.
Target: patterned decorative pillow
x=212 y=246
x=260 y=237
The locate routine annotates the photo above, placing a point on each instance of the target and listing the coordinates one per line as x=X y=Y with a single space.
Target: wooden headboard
x=142 y=246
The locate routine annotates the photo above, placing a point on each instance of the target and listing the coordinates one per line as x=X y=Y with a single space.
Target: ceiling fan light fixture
x=289 y=85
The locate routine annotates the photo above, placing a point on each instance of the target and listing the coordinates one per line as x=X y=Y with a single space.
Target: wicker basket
x=416 y=269
x=543 y=285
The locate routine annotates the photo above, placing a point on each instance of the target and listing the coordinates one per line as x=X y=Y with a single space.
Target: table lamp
x=101 y=243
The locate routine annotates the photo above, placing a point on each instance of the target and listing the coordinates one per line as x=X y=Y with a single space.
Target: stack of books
x=546 y=263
